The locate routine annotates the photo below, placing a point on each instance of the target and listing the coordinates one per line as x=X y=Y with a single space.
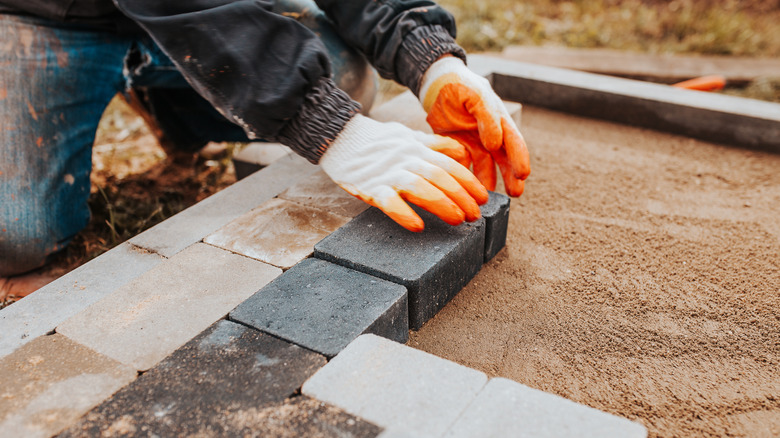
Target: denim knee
x=21 y=252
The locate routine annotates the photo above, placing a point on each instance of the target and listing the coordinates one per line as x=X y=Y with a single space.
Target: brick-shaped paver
x=256 y=156
x=39 y=313
x=395 y=386
x=319 y=191
x=434 y=265
x=496 y=214
x=279 y=232
x=152 y=316
x=193 y=224
x=507 y=408
x=324 y=307
x=231 y=380
x=50 y=382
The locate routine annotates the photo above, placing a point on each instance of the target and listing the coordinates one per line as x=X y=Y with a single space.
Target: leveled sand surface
x=641 y=277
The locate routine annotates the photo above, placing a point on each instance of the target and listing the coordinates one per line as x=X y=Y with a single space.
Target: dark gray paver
x=50 y=382
x=707 y=116
x=323 y=307
x=231 y=380
x=49 y=306
x=434 y=265
x=507 y=408
x=496 y=214
x=409 y=391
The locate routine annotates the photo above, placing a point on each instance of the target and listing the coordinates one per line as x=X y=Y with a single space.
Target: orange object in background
x=704 y=83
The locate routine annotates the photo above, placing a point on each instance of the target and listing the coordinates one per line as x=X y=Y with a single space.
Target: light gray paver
x=507 y=408
x=49 y=306
x=52 y=381
x=279 y=232
x=319 y=191
x=191 y=225
x=152 y=316
x=706 y=116
x=256 y=156
x=395 y=386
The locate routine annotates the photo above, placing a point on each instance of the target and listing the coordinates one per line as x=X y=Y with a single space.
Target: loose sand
x=641 y=277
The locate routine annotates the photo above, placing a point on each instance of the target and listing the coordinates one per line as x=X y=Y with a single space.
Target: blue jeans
x=55 y=82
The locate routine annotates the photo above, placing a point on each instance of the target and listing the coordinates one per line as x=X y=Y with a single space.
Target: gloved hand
x=462 y=105
x=384 y=164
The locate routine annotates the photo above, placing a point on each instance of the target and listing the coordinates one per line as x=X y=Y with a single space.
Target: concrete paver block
x=193 y=224
x=321 y=192
x=256 y=156
x=279 y=232
x=433 y=265
x=50 y=382
x=707 y=116
x=496 y=214
x=218 y=384
x=39 y=313
x=323 y=307
x=507 y=408
x=395 y=386
x=152 y=316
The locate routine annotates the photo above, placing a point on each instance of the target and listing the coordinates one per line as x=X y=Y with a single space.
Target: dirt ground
x=641 y=277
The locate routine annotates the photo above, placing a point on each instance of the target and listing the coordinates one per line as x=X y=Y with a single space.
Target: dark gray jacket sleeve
x=271 y=75
x=401 y=39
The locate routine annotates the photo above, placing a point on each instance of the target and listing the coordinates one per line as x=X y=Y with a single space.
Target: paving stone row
x=150 y=317
x=230 y=380
x=433 y=265
x=412 y=392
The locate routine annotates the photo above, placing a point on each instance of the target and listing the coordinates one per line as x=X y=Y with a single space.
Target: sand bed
x=641 y=277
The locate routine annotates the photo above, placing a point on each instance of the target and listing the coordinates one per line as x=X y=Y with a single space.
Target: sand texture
x=641 y=277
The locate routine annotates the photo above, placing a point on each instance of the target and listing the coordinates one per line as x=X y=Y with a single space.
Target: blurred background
x=136 y=184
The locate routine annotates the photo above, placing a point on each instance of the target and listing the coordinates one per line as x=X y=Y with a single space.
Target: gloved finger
x=484 y=167
x=445 y=145
x=387 y=200
x=488 y=121
x=462 y=175
x=513 y=186
x=424 y=194
x=445 y=182
x=516 y=150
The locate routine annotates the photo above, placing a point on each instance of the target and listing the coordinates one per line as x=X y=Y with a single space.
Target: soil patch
x=641 y=277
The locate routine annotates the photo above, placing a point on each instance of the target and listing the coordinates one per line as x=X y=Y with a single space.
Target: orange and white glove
x=462 y=105
x=386 y=164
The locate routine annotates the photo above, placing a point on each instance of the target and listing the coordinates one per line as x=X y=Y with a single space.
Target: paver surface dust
x=641 y=277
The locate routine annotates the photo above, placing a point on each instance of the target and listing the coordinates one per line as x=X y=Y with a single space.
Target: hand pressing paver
x=231 y=380
x=434 y=265
x=323 y=307
x=507 y=408
x=395 y=386
x=496 y=214
x=52 y=381
x=321 y=192
x=160 y=311
x=279 y=232
x=39 y=313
